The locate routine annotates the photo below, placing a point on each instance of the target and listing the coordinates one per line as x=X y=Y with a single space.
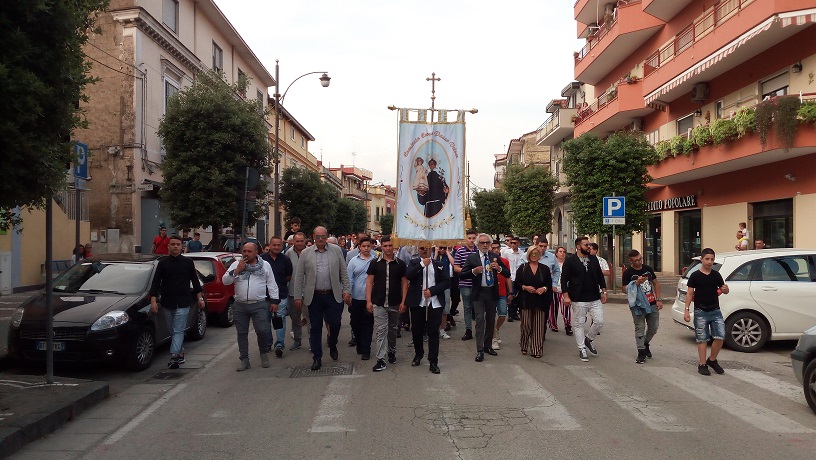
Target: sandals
x=524 y=352
x=537 y=356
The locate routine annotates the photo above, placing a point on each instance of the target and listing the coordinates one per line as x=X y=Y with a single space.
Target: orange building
x=691 y=74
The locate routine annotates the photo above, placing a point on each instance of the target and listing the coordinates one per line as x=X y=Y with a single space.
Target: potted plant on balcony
x=723 y=130
x=701 y=135
x=745 y=121
x=632 y=79
x=781 y=111
x=663 y=149
x=807 y=112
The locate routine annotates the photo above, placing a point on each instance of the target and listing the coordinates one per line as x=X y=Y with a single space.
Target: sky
x=506 y=59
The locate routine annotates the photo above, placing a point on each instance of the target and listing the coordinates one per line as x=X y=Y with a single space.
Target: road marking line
x=653 y=414
x=129 y=426
x=225 y=433
x=742 y=408
x=333 y=407
x=775 y=386
x=545 y=411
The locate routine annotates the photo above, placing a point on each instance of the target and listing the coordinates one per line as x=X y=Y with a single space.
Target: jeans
x=485 y=308
x=257 y=311
x=501 y=306
x=276 y=339
x=295 y=316
x=464 y=292
x=708 y=324
x=645 y=328
x=580 y=310
x=176 y=320
x=323 y=309
x=362 y=324
x=385 y=328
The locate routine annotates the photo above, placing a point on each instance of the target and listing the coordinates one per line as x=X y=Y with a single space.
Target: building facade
x=383 y=202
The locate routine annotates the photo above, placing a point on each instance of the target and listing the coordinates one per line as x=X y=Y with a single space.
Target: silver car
x=803 y=359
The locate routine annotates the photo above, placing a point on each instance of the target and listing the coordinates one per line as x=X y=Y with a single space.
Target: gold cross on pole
x=433 y=81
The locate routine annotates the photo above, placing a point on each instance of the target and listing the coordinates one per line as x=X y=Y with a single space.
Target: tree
x=597 y=168
x=211 y=136
x=304 y=195
x=43 y=73
x=474 y=219
x=490 y=209
x=387 y=224
x=351 y=217
x=530 y=195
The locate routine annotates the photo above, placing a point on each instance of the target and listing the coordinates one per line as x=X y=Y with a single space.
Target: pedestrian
x=442 y=257
x=584 y=290
x=321 y=282
x=282 y=268
x=593 y=249
x=79 y=254
x=160 y=242
x=296 y=314
x=353 y=253
x=185 y=239
x=428 y=280
x=256 y=293
x=548 y=259
x=294 y=227
x=88 y=251
x=742 y=242
x=558 y=293
x=516 y=257
x=643 y=291
x=195 y=245
x=174 y=277
x=482 y=269
x=386 y=288
x=759 y=244
x=534 y=282
x=505 y=296
x=362 y=322
x=466 y=283
x=704 y=288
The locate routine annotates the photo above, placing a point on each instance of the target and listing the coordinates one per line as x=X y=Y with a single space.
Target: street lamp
x=324 y=81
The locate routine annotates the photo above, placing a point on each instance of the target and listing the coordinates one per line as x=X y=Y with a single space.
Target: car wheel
x=746 y=332
x=142 y=350
x=226 y=317
x=810 y=385
x=199 y=327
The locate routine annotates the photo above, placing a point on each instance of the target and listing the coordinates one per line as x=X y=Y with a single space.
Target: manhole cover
x=162 y=376
x=325 y=370
x=736 y=365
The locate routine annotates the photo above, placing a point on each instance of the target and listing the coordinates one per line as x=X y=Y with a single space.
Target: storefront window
x=651 y=243
x=689 y=240
x=773 y=223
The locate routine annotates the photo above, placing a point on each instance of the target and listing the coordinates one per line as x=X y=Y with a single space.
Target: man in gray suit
x=321 y=281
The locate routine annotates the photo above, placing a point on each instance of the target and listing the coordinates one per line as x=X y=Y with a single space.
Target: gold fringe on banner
x=425 y=243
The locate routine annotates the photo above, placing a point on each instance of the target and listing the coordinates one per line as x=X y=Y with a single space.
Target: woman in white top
x=558 y=303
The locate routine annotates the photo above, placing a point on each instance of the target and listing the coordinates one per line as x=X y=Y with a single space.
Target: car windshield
x=696 y=265
x=108 y=277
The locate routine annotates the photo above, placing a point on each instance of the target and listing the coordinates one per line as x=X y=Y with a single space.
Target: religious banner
x=430 y=178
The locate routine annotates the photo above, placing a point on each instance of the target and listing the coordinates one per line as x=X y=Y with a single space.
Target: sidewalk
x=31 y=409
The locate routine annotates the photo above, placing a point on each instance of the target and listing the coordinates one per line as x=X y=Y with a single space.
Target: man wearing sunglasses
x=584 y=289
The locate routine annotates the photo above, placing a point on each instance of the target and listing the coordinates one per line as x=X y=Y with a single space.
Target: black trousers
x=421 y=326
x=362 y=324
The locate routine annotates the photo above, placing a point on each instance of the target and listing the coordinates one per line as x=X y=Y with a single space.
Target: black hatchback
x=101 y=313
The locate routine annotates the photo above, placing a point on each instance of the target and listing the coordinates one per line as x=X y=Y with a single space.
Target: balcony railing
x=355 y=193
x=603 y=31
x=602 y=101
x=709 y=21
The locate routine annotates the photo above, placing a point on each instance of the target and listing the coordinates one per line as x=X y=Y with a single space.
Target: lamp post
x=324 y=81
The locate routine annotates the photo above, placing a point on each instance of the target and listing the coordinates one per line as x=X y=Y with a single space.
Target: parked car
x=229 y=242
x=803 y=359
x=220 y=297
x=771 y=296
x=101 y=313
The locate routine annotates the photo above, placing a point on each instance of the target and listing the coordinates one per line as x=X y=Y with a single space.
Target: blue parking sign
x=81 y=162
x=614 y=206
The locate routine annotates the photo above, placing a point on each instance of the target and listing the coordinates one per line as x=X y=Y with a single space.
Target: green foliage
x=530 y=195
x=490 y=208
x=663 y=149
x=211 y=136
x=807 y=112
x=597 y=168
x=764 y=117
x=43 y=75
x=304 y=195
x=723 y=130
x=785 y=118
x=387 y=224
x=351 y=217
x=701 y=135
x=680 y=145
x=745 y=119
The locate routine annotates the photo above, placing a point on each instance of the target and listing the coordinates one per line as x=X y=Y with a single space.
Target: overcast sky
x=507 y=59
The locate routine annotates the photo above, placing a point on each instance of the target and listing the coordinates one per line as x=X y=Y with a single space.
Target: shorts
x=501 y=306
x=708 y=324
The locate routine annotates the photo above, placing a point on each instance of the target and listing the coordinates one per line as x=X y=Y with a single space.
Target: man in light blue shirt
x=362 y=322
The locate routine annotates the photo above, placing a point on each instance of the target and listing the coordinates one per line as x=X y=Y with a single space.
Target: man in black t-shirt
x=646 y=318
x=386 y=288
x=704 y=287
x=584 y=290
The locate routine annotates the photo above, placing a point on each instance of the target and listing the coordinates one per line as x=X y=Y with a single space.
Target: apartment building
x=674 y=68
x=383 y=202
x=148 y=51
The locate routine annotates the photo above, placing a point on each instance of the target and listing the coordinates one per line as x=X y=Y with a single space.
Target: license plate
x=42 y=345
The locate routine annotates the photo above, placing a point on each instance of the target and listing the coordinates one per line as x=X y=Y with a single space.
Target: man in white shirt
x=253 y=278
x=428 y=280
x=516 y=258
x=593 y=250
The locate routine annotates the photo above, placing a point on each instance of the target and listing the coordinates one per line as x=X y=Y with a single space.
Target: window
x=218 y=58
x=718 y=109
x=171 y=88
x=685 y=124
x=776 y=86
x=303 y=141
x=260 y=100
x=170 y=14
x=378 y=213
x=242 y=79
x=790 y=268
x=743 y=273
x=292 y=133
x=653 y=137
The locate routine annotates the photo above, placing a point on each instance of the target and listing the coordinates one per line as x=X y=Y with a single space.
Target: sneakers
x=443 y=335
x=468 y=335
x=295 y=345
x=244 y=365
x=380 y=366
x=716 y=366
x=641 y=357
x=703 y=369
x=181 y=359
x=264 y=359
x=392 y=357
x=495 y=344
x=174 y=362
x=590 y=347
x=582 y=353
x=648 y=352
x=279 y=352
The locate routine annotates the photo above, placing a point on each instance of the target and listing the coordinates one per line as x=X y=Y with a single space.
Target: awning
x=798 y=18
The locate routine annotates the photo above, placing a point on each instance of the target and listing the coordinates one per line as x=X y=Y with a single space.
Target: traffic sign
x=614 y=206
x=614 y=221
x=81 y=162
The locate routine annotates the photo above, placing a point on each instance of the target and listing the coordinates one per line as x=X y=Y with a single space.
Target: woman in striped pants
x=533 y=281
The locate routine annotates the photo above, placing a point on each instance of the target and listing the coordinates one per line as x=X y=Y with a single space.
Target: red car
x=212 y=266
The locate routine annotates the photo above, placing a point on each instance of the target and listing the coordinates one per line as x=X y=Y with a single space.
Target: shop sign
x=689 y=201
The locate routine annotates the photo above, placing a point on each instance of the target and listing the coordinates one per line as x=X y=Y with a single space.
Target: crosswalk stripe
x=653 y=414
x=742 y=408
x=334 y=405
x=547 y=413
x=775 y=386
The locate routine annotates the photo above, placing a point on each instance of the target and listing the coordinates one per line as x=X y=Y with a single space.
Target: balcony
x=355 y=193
x=613 y=110
x=557 y=127
x=718 y=41
x=618 y=37
x=664 y=9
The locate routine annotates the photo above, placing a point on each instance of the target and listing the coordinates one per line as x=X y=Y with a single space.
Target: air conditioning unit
x=699 y=92
x=637 y=124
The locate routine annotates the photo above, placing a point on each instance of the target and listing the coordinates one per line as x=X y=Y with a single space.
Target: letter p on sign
x=614 y=206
